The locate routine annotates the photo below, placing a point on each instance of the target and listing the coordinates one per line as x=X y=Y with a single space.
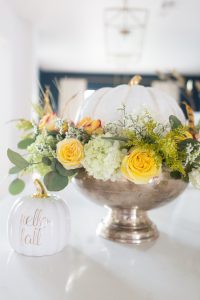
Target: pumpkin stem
x=40 y=190
x=135 y=80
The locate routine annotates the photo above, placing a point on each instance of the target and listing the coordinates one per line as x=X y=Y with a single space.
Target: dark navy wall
x=96 y=81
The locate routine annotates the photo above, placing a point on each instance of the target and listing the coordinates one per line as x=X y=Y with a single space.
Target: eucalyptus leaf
x=25 y=143
x=64 y=172
x=23 y=124
x=55 y=182
x=16 y=186
x=174 y=122
x=14 y=170
x=46 y=161
x=17 y=159
x=53 y=163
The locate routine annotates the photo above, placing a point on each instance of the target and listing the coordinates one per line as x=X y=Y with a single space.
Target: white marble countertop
x=91 y=268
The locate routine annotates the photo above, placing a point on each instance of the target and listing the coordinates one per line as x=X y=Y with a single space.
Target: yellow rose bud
x=70 y=153
x=140 y=166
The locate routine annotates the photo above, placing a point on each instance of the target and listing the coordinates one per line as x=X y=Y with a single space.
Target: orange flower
x=89 y=125
x=48 y=122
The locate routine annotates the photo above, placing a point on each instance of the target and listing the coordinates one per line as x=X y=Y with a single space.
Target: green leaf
x=64 y=172
x=14 y=170
x=55 y=182
x=176 y=175
x=183 y=144
x=174 y=122
x=53 y=163
x=16 y=186
x=38 y=109
x=116 y=138
x=25 y=143
x=24 y=124
x=53 y=133
x=17 y=159
x=46 y=161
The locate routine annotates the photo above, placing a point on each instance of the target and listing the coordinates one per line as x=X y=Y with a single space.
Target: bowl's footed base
x=130 y=226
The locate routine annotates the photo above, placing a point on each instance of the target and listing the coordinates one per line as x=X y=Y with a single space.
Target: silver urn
x=128 y=203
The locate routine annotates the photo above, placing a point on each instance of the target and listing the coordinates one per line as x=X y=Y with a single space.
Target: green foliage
x=174 y=122
x=64 y=172
x=53 y=163
x=171 y=156
x=17 y=159
x=176 y=175
x=38 y=109
x=14 y=170
x=55 y=182
x=116 y=138
x=78 y=133
x=46 y=161
x=25 y=143
x=16 y=186
x=183 y=144
x=24 y=124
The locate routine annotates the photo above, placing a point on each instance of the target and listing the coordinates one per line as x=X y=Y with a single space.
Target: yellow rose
x=140 y=166
x=70 y=153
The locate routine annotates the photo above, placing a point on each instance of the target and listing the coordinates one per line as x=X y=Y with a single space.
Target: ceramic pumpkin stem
x=40 y=190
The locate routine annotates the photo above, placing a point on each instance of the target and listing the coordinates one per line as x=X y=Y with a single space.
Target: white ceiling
x=71 y=35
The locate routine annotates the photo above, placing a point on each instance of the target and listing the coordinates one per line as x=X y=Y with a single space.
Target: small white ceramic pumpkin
x=104 y=103
x=39 y=225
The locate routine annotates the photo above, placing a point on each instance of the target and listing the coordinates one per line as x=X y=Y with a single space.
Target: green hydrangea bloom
x=103 y=158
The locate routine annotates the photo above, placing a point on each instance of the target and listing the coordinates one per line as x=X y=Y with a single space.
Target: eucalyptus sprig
x=55 y=180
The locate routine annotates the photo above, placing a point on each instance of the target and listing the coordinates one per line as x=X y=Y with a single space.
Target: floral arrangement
x=136 y=148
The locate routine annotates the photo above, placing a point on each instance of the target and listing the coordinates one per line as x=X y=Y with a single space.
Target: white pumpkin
x=104 y=103
x=39 y=225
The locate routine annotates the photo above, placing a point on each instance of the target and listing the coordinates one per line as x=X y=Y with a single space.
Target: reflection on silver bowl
x=127 y=220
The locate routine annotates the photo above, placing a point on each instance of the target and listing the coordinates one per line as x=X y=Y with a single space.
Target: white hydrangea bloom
x=103 y=158
x=194 y=177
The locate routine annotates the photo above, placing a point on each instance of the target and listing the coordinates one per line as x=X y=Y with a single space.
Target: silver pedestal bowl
x=127 y=220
